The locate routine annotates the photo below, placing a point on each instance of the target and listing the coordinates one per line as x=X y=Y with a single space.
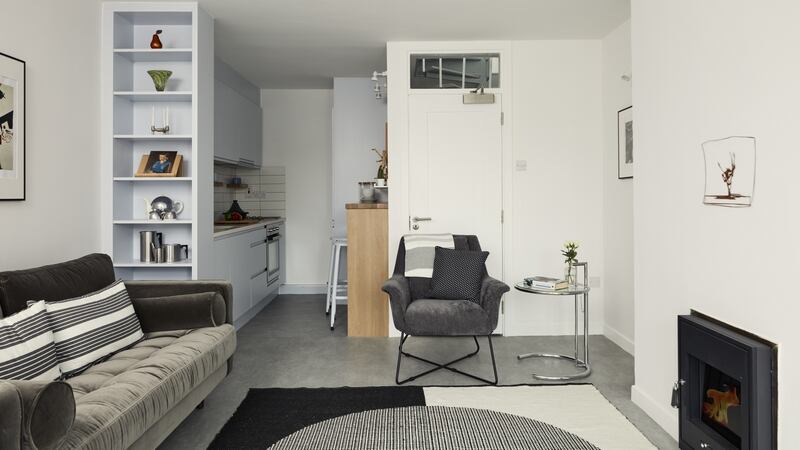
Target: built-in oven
x=273 y=254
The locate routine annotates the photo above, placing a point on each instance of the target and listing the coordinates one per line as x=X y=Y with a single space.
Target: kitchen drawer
x=258 y=288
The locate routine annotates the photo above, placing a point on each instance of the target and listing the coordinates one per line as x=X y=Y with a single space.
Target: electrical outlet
x=521 y=165
x=594 y=282
x=256 y=195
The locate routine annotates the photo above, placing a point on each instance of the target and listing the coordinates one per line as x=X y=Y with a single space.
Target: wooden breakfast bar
x=367 y=269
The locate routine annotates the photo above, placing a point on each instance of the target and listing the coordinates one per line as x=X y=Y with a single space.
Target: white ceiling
x=305 y=43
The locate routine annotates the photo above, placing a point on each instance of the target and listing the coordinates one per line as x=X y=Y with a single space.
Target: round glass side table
x=580 y=292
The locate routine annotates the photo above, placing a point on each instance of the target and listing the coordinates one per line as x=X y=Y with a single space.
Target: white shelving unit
x=128 y=99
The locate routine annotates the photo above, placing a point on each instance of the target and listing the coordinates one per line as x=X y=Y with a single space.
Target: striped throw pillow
x=27 y=351
x=89 y=328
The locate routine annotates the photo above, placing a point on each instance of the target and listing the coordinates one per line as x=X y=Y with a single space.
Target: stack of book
x=546 y=283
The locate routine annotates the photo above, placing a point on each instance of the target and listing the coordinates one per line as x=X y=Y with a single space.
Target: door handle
x=421 y=219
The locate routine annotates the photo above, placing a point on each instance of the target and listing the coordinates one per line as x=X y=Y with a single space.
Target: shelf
x=219 y=184
x=153 y=179
x=236 y=186
x=155 y=55
x=134 y=264
x=154 y=137
x=153 y=222
x=154 y=96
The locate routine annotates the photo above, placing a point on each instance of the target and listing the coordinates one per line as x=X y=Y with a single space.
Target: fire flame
x=717 y=409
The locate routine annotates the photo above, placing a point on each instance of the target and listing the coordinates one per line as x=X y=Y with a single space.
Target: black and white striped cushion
x=27 y=351
x=89 y=328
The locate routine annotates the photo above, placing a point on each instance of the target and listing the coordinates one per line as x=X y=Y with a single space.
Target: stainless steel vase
x=148 y=240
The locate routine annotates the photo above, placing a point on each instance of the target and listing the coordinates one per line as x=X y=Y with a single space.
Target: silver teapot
x=163 y=208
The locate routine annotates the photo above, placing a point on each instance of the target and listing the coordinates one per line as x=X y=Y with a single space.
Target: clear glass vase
x=571 y=274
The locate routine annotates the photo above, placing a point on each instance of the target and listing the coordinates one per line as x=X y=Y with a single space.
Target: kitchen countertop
x=366 y=206
x=224 y=231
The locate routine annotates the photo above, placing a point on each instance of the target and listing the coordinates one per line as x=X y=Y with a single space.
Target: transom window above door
x=455 y=71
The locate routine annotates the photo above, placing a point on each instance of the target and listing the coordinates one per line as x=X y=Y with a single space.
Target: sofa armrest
x=399 y=298
x=10 y=416
x=180 y=312
x=151 y=289
x=492 y=291
x=45 y=415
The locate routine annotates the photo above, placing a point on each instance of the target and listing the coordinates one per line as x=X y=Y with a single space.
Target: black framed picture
x=625 y=143
x=12 y=128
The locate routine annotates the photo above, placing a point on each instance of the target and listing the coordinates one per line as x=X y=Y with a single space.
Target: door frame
x=398 y=56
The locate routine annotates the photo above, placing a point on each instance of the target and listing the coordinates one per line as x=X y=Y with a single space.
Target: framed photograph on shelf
x=625 y=143
x=160 y=164
x=12 y=128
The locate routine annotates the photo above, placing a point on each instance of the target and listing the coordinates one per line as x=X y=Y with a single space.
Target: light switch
x=594 y=282
x=521 y=165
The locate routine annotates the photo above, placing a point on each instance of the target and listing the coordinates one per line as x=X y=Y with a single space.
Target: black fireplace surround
x=727 y=387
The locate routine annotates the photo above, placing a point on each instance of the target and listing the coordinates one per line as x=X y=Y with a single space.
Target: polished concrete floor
x=289 y=345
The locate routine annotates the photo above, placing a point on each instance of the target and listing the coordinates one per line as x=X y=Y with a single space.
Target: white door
x=455 y=171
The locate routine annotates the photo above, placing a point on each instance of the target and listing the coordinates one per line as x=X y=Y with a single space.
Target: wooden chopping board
x=237 y=222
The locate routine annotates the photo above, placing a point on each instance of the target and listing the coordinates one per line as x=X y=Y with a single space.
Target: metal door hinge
x=502 y=307
x=502 y=118
x=502 y=216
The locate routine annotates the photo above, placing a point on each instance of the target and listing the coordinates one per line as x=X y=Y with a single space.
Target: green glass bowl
x=160 y=78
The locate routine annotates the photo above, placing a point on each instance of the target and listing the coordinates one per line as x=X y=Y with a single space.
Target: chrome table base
x=578 y=363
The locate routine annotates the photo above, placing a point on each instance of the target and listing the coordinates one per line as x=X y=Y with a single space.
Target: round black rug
x=432 y=428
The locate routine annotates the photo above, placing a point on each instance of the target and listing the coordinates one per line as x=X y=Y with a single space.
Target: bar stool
x=335 y=285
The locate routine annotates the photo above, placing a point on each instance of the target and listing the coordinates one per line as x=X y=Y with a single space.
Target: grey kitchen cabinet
x=237 y=127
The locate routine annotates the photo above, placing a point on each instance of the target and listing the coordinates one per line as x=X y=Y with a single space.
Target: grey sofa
x=415 y=314
x=138 y=396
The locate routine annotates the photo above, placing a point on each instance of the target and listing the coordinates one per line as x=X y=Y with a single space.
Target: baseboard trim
x=666 y=418
x=302 y=289
x=618 y=338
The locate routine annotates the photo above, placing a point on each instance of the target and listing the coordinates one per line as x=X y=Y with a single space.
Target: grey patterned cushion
x=457 y=274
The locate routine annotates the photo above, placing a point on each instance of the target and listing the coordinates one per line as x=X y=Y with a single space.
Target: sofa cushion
x=176 y=312
x=27 y=351
x=55 y=282
x=435 y=317
x=89 y=328
x=457 y=274
x=118 y=399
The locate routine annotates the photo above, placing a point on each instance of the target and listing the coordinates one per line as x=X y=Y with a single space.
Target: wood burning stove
x=727 y=387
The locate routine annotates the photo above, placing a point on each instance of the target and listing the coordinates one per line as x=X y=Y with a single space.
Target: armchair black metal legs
x=447 y=365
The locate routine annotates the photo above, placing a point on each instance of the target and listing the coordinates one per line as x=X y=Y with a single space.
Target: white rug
x=579 y=409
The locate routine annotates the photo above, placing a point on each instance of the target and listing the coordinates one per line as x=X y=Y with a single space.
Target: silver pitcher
x=173 y=252
x=147 y=241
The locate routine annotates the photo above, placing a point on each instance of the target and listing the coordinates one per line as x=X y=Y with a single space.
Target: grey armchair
x=415 y=314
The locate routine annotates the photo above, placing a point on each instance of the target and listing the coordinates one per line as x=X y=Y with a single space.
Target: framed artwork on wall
x=730 y=165
x=12 y=128
x=625 y=143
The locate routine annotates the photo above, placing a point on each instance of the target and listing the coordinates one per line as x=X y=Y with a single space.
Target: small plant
x=383 y=164
x=570 y=252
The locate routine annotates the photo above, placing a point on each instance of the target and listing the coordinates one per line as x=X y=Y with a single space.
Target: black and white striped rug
x=433 y=428
x=420 y=418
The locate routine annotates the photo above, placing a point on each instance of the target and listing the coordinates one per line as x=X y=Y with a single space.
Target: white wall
x=297 y=136
x=617 y=194
x=60 y=42
x=552 y=102
x=358 y=126
x=704 y=70
x=556 y=118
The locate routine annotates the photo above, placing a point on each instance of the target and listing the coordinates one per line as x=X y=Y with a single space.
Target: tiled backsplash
x=265 y=194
